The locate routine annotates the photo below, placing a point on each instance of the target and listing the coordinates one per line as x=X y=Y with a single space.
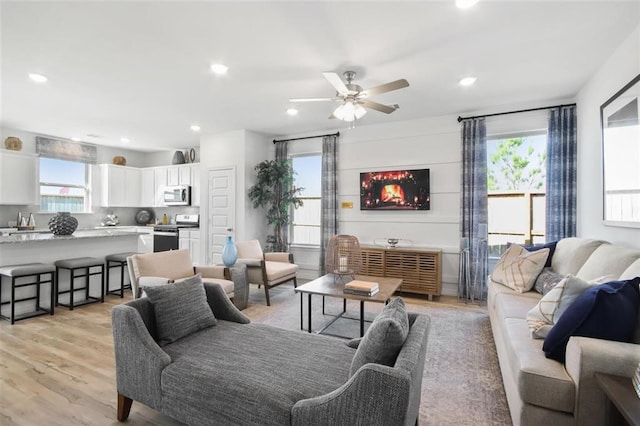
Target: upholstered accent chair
x=170 y=266
x=268 y=269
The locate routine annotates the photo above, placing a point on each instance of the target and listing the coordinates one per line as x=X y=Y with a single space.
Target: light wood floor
x=59 y=370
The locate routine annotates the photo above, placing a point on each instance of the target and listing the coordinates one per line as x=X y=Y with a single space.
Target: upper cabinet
x=120 y=186
x=19 y=180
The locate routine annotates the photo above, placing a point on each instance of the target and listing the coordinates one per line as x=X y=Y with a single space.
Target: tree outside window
x=516 y=172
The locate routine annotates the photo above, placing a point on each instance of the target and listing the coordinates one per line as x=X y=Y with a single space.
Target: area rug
x=461 y=383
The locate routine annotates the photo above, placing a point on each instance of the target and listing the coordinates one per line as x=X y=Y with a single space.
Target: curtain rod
x=307 y=137
x=514 y=112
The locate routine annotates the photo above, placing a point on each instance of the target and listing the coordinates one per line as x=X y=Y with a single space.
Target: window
x=305 y=228
x=64 y=186
x=516 y=171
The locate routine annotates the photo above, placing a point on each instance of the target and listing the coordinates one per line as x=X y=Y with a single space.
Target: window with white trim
x=64 y=186
x=305 y=220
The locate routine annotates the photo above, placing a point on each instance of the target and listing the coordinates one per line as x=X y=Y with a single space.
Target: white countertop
x=86 y=233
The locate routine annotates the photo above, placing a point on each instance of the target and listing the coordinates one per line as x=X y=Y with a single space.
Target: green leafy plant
x=518 y=168
x=275 y=190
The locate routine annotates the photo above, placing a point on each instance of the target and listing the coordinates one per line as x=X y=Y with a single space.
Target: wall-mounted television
x=395 y=190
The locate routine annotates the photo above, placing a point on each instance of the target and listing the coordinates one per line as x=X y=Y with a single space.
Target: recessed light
x=219 y=69
x=465 y=4
x=467 y=81
x=76 y=139
x=125 y=140
x=292 y=111
x=38 y=78
x=195 y=127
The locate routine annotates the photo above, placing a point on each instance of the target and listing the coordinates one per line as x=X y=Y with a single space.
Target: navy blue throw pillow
x=608 y=311
x=551 y=246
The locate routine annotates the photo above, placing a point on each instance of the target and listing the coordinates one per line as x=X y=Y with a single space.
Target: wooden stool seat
x=118 y=260
x=73 y=265
x=37 y=270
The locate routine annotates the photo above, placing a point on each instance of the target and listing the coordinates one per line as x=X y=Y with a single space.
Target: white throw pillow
x=552 y=305
x=519 y=268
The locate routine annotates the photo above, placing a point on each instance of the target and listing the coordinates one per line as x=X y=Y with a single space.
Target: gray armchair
x=268 y=269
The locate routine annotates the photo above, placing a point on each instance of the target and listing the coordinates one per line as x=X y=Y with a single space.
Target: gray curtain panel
x=562 y=146
x=329 y=213
x=282 y=154
x=473 y=204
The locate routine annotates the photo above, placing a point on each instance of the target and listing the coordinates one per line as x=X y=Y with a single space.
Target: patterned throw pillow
x=181 y=309
x=519 y=268
x=384 y=338
x=552 y=305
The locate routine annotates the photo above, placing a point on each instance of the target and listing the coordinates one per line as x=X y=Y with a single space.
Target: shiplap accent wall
x=432 y=143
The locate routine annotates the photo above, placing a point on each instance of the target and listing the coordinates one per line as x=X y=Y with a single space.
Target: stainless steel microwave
x=177 y=195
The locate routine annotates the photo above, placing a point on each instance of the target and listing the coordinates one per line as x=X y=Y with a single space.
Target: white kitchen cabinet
x=179 y=175
x=195 y=185
x=19 y=178
x=159 y=185
x=120 y=186
x=190 y=240
x=147 y=188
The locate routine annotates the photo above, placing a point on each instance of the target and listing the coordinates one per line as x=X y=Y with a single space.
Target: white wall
x=240 y=150
x=616 y=72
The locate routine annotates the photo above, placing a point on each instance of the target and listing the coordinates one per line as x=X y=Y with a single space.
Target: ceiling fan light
x=339 y=112
x=359 y=111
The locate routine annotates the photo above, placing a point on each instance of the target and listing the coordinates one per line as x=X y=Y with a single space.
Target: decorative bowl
x=13 y=143
x=119 y=160
x=392 y=242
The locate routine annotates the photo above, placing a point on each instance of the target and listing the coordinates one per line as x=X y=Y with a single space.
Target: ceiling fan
x=354 y=99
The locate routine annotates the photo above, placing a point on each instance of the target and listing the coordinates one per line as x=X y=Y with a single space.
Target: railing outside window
x=515 y=217
x=305 y=229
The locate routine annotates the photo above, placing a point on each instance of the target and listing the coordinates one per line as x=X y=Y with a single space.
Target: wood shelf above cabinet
x=420 y=269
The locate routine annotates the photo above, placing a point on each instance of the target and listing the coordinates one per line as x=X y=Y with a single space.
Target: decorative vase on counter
x=63 y=224
x=229 y=252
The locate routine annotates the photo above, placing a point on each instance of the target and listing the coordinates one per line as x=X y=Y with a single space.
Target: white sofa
x=542 y=391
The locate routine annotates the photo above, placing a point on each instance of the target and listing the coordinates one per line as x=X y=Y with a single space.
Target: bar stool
x=36 y=270
x=118 y=260
x=73 y=265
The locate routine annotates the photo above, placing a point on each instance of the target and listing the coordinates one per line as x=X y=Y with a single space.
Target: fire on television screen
x=395 y=190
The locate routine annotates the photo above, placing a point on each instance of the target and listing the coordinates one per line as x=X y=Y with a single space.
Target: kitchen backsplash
x=126 y=215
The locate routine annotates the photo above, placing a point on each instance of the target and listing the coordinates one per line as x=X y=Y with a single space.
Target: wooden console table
x=623 y=405
x=420 y=269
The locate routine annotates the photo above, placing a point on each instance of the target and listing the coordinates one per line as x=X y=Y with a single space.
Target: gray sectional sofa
x=544 y=391
x=241 y=373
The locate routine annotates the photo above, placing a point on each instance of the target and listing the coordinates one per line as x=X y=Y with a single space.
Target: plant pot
x=63 y=224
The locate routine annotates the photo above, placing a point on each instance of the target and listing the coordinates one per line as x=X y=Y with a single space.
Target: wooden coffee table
x=331 y=286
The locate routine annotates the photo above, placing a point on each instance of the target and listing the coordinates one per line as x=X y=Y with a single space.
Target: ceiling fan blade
x=332 y=116
x=377 y=106
x=384 y=88
x=335 y=80
x=314 y=99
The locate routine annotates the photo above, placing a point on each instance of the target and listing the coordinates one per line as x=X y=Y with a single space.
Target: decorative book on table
x=363 y=288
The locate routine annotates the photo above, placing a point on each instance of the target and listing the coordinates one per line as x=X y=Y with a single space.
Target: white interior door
x=221 y=211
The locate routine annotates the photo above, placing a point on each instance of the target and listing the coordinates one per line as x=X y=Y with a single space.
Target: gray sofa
x=253 y=374
x=544 y=391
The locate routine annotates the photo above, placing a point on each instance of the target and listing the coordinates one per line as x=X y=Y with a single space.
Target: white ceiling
x=141 y=69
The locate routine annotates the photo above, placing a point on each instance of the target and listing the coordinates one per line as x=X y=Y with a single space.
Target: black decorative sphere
x=63 y=224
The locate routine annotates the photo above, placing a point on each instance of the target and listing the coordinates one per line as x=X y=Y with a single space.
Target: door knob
x=229 y=229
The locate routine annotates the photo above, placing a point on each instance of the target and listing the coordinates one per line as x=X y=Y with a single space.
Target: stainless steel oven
x=166 y=237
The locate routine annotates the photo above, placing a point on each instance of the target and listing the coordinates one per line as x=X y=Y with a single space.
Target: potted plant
x=275 y=190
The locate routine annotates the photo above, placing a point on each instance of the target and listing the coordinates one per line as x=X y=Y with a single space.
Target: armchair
x=268 y=269
x=174 y=265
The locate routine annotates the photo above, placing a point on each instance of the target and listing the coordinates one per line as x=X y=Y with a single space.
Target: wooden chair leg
x=266 y=293
x=124 y=407
x=295 y=282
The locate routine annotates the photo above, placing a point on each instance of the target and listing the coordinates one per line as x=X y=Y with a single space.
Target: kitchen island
x=47 y=248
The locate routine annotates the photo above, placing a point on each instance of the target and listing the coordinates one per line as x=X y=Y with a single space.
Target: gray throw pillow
x=180 y=308
x=384 y=338
x=547 y=280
